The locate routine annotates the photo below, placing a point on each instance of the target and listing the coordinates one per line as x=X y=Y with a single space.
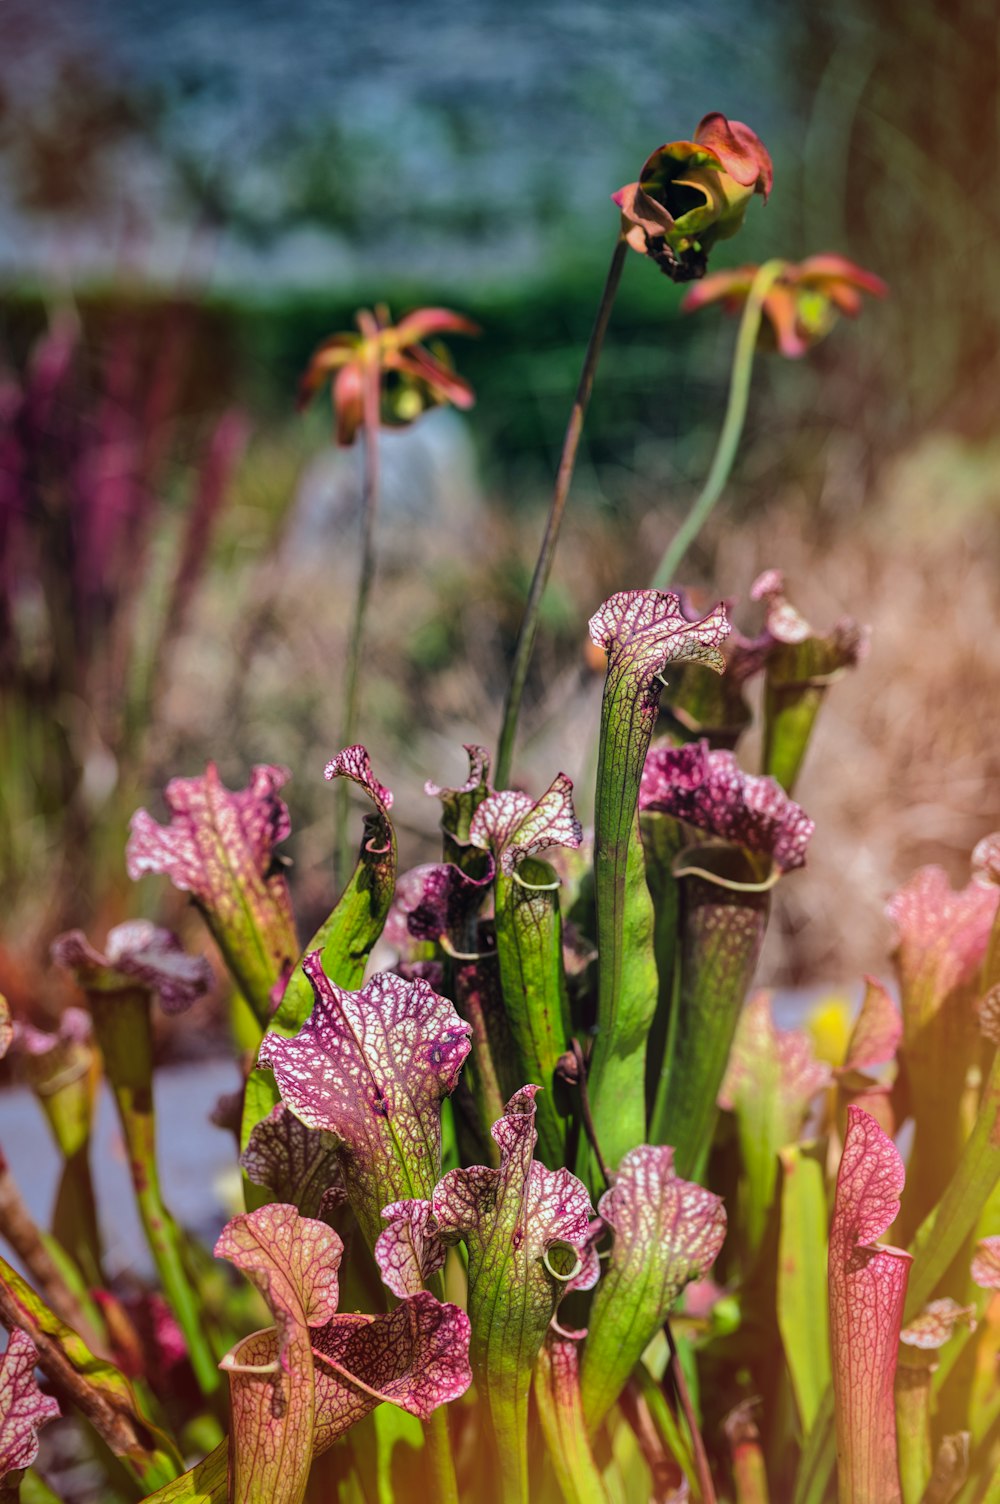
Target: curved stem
x=564 y=477
x=366 y=577
x=732 y=427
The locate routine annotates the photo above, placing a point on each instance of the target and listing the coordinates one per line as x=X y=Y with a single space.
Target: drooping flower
x=23 y=1406
x=412 y=375
x=710 y=791
x=219 y=847
x=803 y=303
x=867 y=1291
x=691 y=194
x=372 y=1067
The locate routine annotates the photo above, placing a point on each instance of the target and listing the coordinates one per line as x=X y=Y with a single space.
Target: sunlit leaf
x=941 y=939
x=771 y=1079
x=137 y=955
x=297 y=1164
x=666 y=1232
x=373 y=1067
x=527 y=1230
x=642 y=633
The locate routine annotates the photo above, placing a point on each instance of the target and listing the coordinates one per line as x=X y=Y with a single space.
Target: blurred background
x=192 y=196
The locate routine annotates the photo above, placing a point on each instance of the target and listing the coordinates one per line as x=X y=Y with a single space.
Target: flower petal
x=740 y=150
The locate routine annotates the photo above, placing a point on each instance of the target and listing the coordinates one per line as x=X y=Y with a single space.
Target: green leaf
x=533 y=982
x=557 y=1394
x=205 y=1483
x=867 y=1291
x=724 y=908
x=373 y=1067
x=219 y=847
x=529 y=937
x=642 y=632
x=953 y=1220
x=771 y=1079
x=519 y=1222
x=344 y=940
x=666 y=1232
x=801 y=1277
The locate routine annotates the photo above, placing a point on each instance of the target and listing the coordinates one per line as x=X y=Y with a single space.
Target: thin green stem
x=439 y=1456
x=732 y=427
x=124 y=1033
x=564 y=478
x=366 y=578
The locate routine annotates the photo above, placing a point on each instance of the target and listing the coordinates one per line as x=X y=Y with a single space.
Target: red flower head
x=802 y=304
x=692 y=193
x=412 y=376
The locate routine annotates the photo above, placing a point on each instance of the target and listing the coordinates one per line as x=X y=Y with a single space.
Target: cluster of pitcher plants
x=549 y=1206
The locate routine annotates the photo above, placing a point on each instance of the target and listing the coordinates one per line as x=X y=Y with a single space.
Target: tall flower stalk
x=801 y=304
x=422 y=378
x=371 y=378
x=732 y=426
x=564 y=479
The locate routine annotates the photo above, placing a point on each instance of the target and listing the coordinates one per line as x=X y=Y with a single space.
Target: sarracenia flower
x=692 y=193
x=802 y=304
x=412 y=376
